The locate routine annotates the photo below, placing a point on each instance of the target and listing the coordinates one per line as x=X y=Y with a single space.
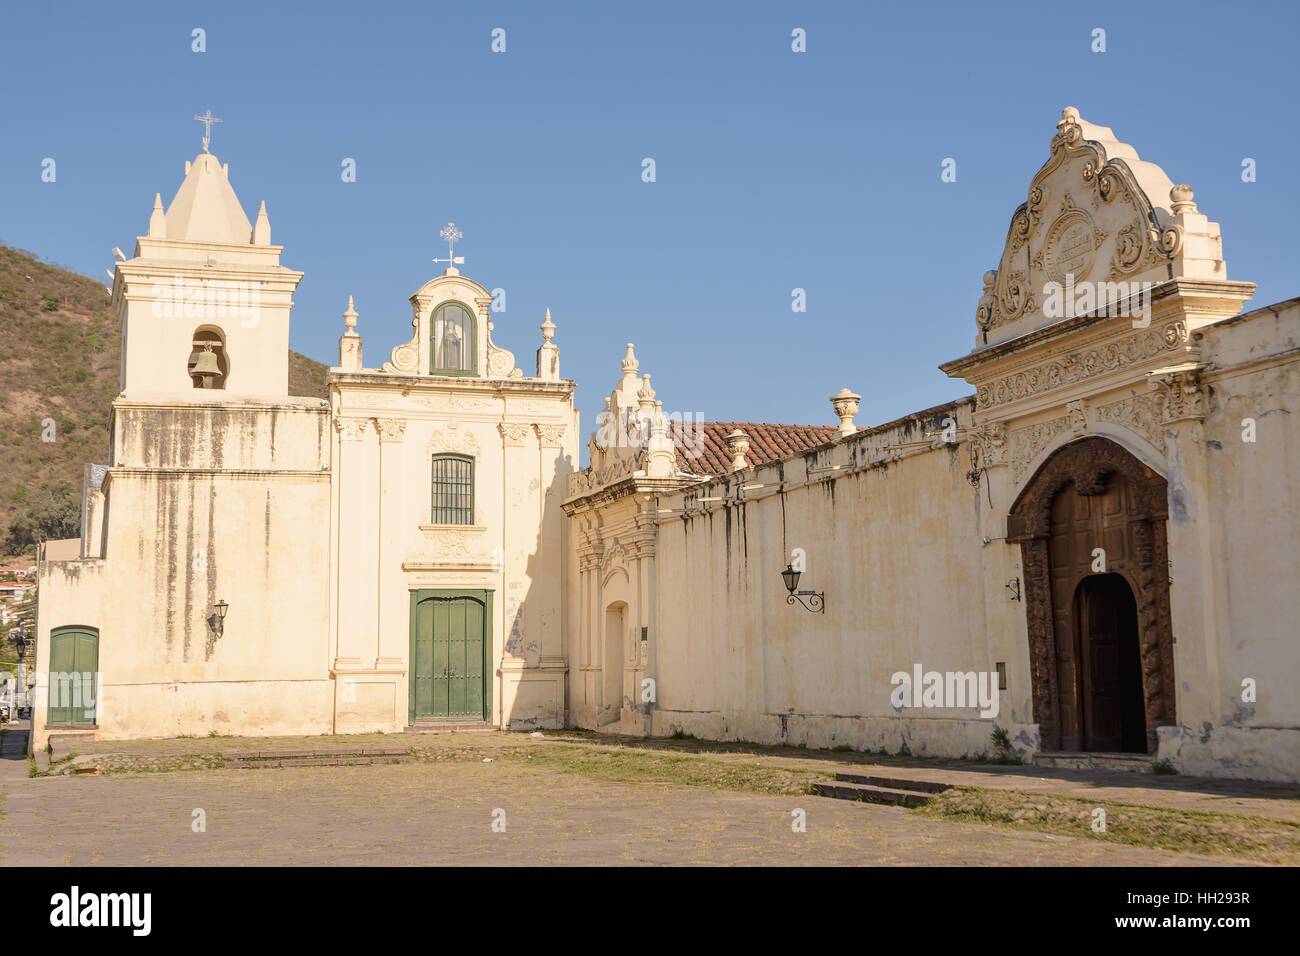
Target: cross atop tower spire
x=452 y=235
x=207 y=119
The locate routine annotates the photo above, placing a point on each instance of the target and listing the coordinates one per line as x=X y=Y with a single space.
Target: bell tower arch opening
x=209 y=365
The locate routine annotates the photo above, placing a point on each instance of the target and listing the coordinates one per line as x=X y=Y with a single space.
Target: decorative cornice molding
x=1081 y=365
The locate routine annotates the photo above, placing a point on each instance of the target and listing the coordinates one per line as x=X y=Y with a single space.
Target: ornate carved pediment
x=1095 y=213
x=413 y=357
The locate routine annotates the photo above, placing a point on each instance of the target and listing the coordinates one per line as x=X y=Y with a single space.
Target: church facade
x=1088 y=561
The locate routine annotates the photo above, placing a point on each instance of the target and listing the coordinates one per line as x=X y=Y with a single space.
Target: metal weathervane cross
x=207 y=119
x=452 y=235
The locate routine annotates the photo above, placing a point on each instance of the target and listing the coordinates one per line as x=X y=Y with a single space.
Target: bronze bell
x=207 y=367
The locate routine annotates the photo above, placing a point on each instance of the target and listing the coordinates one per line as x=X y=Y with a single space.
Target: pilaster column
x=392 y=610
x=355 y=618
x=1196 y=614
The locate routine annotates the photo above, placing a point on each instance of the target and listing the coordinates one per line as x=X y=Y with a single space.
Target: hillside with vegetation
x=59 y=374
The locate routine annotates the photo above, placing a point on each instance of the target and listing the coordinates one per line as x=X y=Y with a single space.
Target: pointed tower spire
x=157 y=219
x=262 y=229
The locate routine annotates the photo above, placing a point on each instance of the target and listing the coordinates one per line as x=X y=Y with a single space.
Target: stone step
x=293 y=754
x=64 y=740
x=870 y=794
x=893 y=783
x=352 y=761
x=1084 y=760
x=451 y=727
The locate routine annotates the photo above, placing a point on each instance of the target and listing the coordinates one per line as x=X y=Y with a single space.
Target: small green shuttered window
x=453 y=490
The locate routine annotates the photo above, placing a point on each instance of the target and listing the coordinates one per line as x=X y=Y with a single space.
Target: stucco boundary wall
x=890 y=529
x=1239 y=713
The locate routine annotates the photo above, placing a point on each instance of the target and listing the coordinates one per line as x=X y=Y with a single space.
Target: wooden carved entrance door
x=1110 y=694
x=1091 y=528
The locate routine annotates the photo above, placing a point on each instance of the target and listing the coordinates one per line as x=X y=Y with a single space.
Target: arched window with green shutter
x=453 y=490
x=453 y=340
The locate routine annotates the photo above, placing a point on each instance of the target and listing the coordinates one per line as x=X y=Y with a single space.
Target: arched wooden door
x=74 y=677
x=1112 y=715
x=1091 y=528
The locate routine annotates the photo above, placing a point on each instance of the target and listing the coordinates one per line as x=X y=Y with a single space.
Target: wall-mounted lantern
x=816 y=601
x=19 y=638
x=216 y=620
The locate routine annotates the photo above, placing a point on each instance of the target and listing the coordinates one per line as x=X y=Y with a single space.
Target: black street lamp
x=216 y=620
x=816 y=601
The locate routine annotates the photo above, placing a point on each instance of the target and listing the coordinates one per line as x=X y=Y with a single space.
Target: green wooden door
x=449 y=655
x=74 y=667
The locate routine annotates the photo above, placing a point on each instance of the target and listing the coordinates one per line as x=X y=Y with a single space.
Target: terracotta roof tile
x=702 y=447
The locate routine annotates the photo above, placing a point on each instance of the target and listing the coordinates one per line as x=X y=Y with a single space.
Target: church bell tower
x=204 y=303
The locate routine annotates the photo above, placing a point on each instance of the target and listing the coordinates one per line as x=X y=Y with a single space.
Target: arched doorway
x=613 y=657
x=1091 y=529
x=1112 y=715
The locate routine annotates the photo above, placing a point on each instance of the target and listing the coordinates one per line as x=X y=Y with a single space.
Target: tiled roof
x=767 y=442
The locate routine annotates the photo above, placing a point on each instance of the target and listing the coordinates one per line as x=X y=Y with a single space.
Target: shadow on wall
x=533 y=618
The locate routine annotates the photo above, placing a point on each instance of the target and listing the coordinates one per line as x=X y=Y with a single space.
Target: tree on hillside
x=51 y=511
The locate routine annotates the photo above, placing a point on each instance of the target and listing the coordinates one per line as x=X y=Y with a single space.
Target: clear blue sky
x=775 y=170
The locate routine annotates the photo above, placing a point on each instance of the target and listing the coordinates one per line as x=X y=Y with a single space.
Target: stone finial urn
x=737 y=446
x=845 y=404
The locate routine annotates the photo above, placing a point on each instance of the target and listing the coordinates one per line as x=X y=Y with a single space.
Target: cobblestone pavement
x=1281 y=801
x=442 y=813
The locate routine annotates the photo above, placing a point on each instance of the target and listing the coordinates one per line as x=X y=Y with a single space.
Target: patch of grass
x=640 y=766
x=1163 y=768
x=680 y=734
x=1164 y=828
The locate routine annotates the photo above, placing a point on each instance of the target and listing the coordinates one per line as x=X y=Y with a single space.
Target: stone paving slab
x=442 y=813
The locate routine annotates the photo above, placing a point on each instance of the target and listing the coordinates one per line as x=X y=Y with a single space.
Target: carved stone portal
x=1092 y=494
